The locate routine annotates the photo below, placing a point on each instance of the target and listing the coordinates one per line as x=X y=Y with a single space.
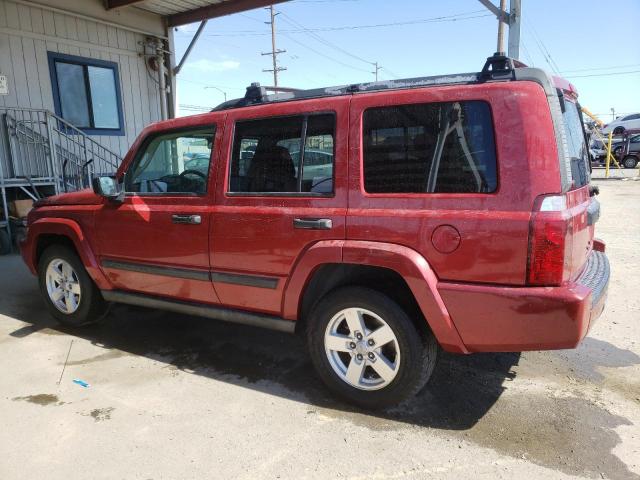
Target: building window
x=86 y=93
x=429 y=148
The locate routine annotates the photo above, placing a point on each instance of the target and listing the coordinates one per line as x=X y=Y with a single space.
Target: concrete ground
x=175 y=397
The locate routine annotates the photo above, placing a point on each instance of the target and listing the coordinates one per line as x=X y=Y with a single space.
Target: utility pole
x=376 y=69
x=500 y=47
x=274 y=51
x=613 y=113
x=512 y=19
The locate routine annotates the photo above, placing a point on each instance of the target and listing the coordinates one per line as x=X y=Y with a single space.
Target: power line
x=251 y=18
x=317 y=37
x=327 y=43
x=325 y=56
x=227 y=87
x=604 y=74
x=527 y=54
x=194 y=108
x=601 y=68
x=543 y=48
x=394 y=75
x=447 y=18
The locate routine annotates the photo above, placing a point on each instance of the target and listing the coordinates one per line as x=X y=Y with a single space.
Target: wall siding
x=28 y=32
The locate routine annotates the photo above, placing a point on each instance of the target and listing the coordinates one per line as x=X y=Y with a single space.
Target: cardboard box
x=20 y=208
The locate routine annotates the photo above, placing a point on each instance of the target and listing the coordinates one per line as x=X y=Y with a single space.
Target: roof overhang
x=182 y=13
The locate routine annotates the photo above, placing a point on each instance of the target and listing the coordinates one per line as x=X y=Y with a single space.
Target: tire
x=85 y=304
x=618 y=130
x=5 y=242
x=413 y=362
x=630 y=162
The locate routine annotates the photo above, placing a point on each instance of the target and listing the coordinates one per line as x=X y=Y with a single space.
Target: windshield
x=576 y=145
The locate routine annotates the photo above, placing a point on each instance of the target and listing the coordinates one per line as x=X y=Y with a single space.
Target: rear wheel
x=70 y=294
x=630 y=162
x=618 y=130
x=366 y=349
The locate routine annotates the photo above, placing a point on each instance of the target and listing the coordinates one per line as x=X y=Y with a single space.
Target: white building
x=79 y=80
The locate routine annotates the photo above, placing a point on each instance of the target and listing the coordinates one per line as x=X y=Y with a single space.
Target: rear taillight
x=549 y=245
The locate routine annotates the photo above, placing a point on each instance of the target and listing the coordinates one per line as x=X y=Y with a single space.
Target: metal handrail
x=81 y=133
x=42 y=144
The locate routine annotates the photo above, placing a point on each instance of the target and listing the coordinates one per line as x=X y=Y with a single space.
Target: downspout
x=162 y=82
x=172 y=84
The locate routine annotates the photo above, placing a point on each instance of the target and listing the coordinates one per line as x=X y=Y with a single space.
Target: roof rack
x=497 y=68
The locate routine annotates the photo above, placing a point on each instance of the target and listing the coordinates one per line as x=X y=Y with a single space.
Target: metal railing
x=40 y=146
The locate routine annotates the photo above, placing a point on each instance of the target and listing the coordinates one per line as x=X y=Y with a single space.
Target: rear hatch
x=584 y=209
x=562 y=225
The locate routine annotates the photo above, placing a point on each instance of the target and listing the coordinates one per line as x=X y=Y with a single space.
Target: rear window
x=576 y=145
x=429 y=148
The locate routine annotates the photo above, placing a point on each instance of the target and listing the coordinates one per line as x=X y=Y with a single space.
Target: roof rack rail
x=498 y=67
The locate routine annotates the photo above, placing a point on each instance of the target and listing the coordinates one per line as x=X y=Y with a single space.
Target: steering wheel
x=198 y=173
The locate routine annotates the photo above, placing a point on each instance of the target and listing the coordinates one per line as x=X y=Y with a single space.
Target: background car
x=317 y=163
x=632 y=157
x=621 y=124
x=199 y=162
x=598 y=149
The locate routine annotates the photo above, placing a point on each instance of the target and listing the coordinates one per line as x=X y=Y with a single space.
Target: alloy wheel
x=362 y=349
x=63 y=286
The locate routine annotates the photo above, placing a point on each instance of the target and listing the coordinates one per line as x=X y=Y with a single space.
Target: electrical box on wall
x=4 y=85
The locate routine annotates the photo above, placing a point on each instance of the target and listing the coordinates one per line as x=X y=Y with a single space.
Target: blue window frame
x=86 y=93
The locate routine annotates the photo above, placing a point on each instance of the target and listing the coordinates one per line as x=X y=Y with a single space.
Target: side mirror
x=107 y=187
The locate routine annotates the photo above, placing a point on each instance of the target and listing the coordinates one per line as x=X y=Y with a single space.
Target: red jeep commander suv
x=383 y=221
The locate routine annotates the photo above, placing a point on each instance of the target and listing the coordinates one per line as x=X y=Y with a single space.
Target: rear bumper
x=509 y=319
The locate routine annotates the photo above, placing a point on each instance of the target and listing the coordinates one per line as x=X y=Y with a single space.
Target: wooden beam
x=111 y=4
x=221 y=9
x=500 y=14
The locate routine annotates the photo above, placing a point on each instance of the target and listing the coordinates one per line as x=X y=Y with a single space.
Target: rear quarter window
x=445 y=147
x=576 y=144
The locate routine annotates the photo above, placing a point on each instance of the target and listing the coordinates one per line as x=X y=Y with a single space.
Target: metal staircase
x=40 y=154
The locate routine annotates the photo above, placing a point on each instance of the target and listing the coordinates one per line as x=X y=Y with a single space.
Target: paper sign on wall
x=4 y=85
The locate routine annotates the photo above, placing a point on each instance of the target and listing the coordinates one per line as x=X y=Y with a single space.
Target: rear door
x=157 y=240
x=424 y=174
x=268 y=210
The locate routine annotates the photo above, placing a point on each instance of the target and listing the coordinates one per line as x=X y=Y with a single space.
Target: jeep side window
x=429 y=148
x=175 y=162
x=267 y=155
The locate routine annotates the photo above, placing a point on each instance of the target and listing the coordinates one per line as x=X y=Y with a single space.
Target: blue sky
x=575 y=37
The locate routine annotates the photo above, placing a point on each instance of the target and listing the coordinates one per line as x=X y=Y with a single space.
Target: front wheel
x=366 y=349
x=71 y=296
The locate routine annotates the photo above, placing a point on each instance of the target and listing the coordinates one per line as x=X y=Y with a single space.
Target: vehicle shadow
x=460 y=393
x=462 y=390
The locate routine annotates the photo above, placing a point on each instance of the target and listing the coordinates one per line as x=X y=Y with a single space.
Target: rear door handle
x=313 y=223
x=187 y=219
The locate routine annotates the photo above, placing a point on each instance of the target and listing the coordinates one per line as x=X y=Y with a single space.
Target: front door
x=157 y=240
x=283 y=190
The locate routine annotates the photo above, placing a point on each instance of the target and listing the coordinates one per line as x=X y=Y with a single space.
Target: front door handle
x=313 y=223
x=187 y=219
